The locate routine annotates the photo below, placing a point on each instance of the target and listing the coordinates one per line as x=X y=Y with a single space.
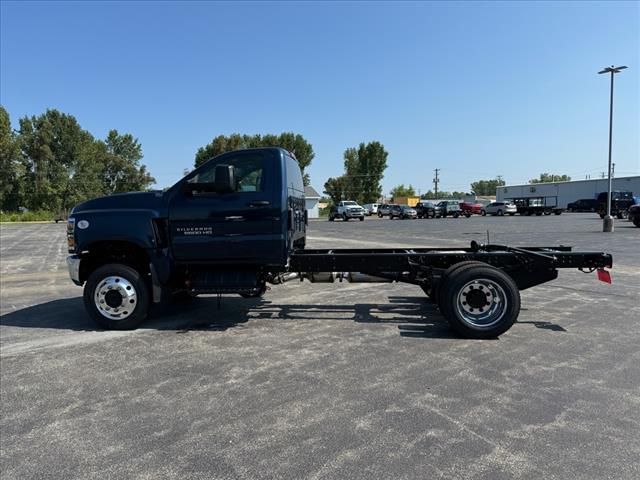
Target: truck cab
x=220 y=229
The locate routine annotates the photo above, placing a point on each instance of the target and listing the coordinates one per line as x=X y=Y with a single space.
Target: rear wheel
x=331 y=218
x=456 y=215
x=500 y=213
x=117 y=297
x=511 y=214
x=480 y=301
x=467 y=215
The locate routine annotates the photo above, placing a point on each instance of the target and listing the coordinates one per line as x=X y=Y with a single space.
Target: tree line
x=51 y=163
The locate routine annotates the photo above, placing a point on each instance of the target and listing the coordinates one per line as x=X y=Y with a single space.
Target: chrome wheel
x=481 y=303
x=115 y=298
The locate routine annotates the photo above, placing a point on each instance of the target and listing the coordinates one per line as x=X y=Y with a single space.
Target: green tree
x=122 y=171
x=290 y=141
x=11 y=172
x=487 y=187
x=549 y=178
x=337 y=188
x=402 y=191
x=364 y=167
x=64 y=164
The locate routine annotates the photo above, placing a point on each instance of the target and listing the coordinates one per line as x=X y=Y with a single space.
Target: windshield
x=349 y=203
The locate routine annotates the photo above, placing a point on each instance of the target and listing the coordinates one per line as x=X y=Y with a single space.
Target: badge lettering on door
x=194 y=231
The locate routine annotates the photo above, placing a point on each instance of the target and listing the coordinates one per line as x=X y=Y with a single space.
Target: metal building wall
x=569 y=191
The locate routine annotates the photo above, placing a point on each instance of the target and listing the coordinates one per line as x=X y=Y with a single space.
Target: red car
x=470 y=208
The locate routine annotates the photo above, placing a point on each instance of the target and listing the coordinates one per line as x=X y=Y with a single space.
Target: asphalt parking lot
x=358 y=381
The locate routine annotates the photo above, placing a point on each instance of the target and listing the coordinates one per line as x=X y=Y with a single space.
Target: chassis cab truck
x=239 y=222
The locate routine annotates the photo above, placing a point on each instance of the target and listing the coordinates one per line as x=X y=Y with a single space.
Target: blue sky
x=475 y=89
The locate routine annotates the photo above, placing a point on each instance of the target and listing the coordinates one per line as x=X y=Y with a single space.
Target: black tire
x=602 y=215
x=636 y=221
x=500 y=313
x=141 y=303
x=362 y=219
x=557 y=212
x=331 y=218
x=468 y=215
x=500 y=213
x=345 y=218
x=456 y=215
x=447 y=274
x=511 y=214
x=483 y=213
x=379 y=215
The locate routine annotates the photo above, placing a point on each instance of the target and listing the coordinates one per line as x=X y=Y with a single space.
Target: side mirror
x=225 y=179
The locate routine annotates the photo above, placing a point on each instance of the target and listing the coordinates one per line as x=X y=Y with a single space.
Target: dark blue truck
x=239 y=222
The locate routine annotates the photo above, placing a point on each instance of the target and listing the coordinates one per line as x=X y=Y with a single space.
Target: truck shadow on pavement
x=414 y=316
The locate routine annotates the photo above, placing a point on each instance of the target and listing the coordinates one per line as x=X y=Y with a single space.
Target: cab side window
x=249 y=169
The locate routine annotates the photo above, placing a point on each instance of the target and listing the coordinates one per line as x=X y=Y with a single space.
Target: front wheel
x=456 y=215
x=468 y=215
x=480 y=301
x=116 y=297
x=362 y=219
x=483 y=213
x=500 y=213
x=345 y=218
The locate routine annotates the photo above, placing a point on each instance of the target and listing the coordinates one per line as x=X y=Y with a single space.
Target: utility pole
x=607 y=225
x=436 y=180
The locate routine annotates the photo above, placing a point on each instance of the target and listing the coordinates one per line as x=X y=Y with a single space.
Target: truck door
x=238 y=226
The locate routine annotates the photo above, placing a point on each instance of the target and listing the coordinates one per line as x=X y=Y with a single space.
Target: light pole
x=607 y=225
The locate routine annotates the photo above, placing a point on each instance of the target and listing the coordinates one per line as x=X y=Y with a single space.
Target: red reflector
x=604 y=275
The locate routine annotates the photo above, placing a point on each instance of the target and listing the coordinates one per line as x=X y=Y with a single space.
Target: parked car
x=402 y=212
x=346 y=210
x=385 y=209
x=499 y=208
x=447 y=208
x=370 y=209
x=425 y=209
x=634 y=215
x=470 y=208
x=583 y=205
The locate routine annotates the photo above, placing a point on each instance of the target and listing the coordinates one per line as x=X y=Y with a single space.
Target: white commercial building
x=311 y=199
x=566 y=192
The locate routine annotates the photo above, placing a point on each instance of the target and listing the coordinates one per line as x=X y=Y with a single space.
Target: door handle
x=234 y=218
x=260 y=203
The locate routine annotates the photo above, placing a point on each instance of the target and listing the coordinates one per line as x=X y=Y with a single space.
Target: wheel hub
x=482 y=302
x=115 y=298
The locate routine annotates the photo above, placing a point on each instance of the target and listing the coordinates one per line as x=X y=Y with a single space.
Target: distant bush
x=38 y=215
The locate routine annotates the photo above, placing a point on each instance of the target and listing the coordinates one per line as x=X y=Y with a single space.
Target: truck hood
x=124 y=201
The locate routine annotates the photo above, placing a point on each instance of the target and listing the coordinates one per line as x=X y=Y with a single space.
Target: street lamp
x=607 y=225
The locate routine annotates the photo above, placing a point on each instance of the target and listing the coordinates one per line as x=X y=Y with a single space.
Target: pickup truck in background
x=238 y=223
x=621 y=202
x=346 y=210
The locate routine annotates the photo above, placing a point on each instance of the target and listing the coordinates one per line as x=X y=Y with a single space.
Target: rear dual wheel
x=478 y=300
